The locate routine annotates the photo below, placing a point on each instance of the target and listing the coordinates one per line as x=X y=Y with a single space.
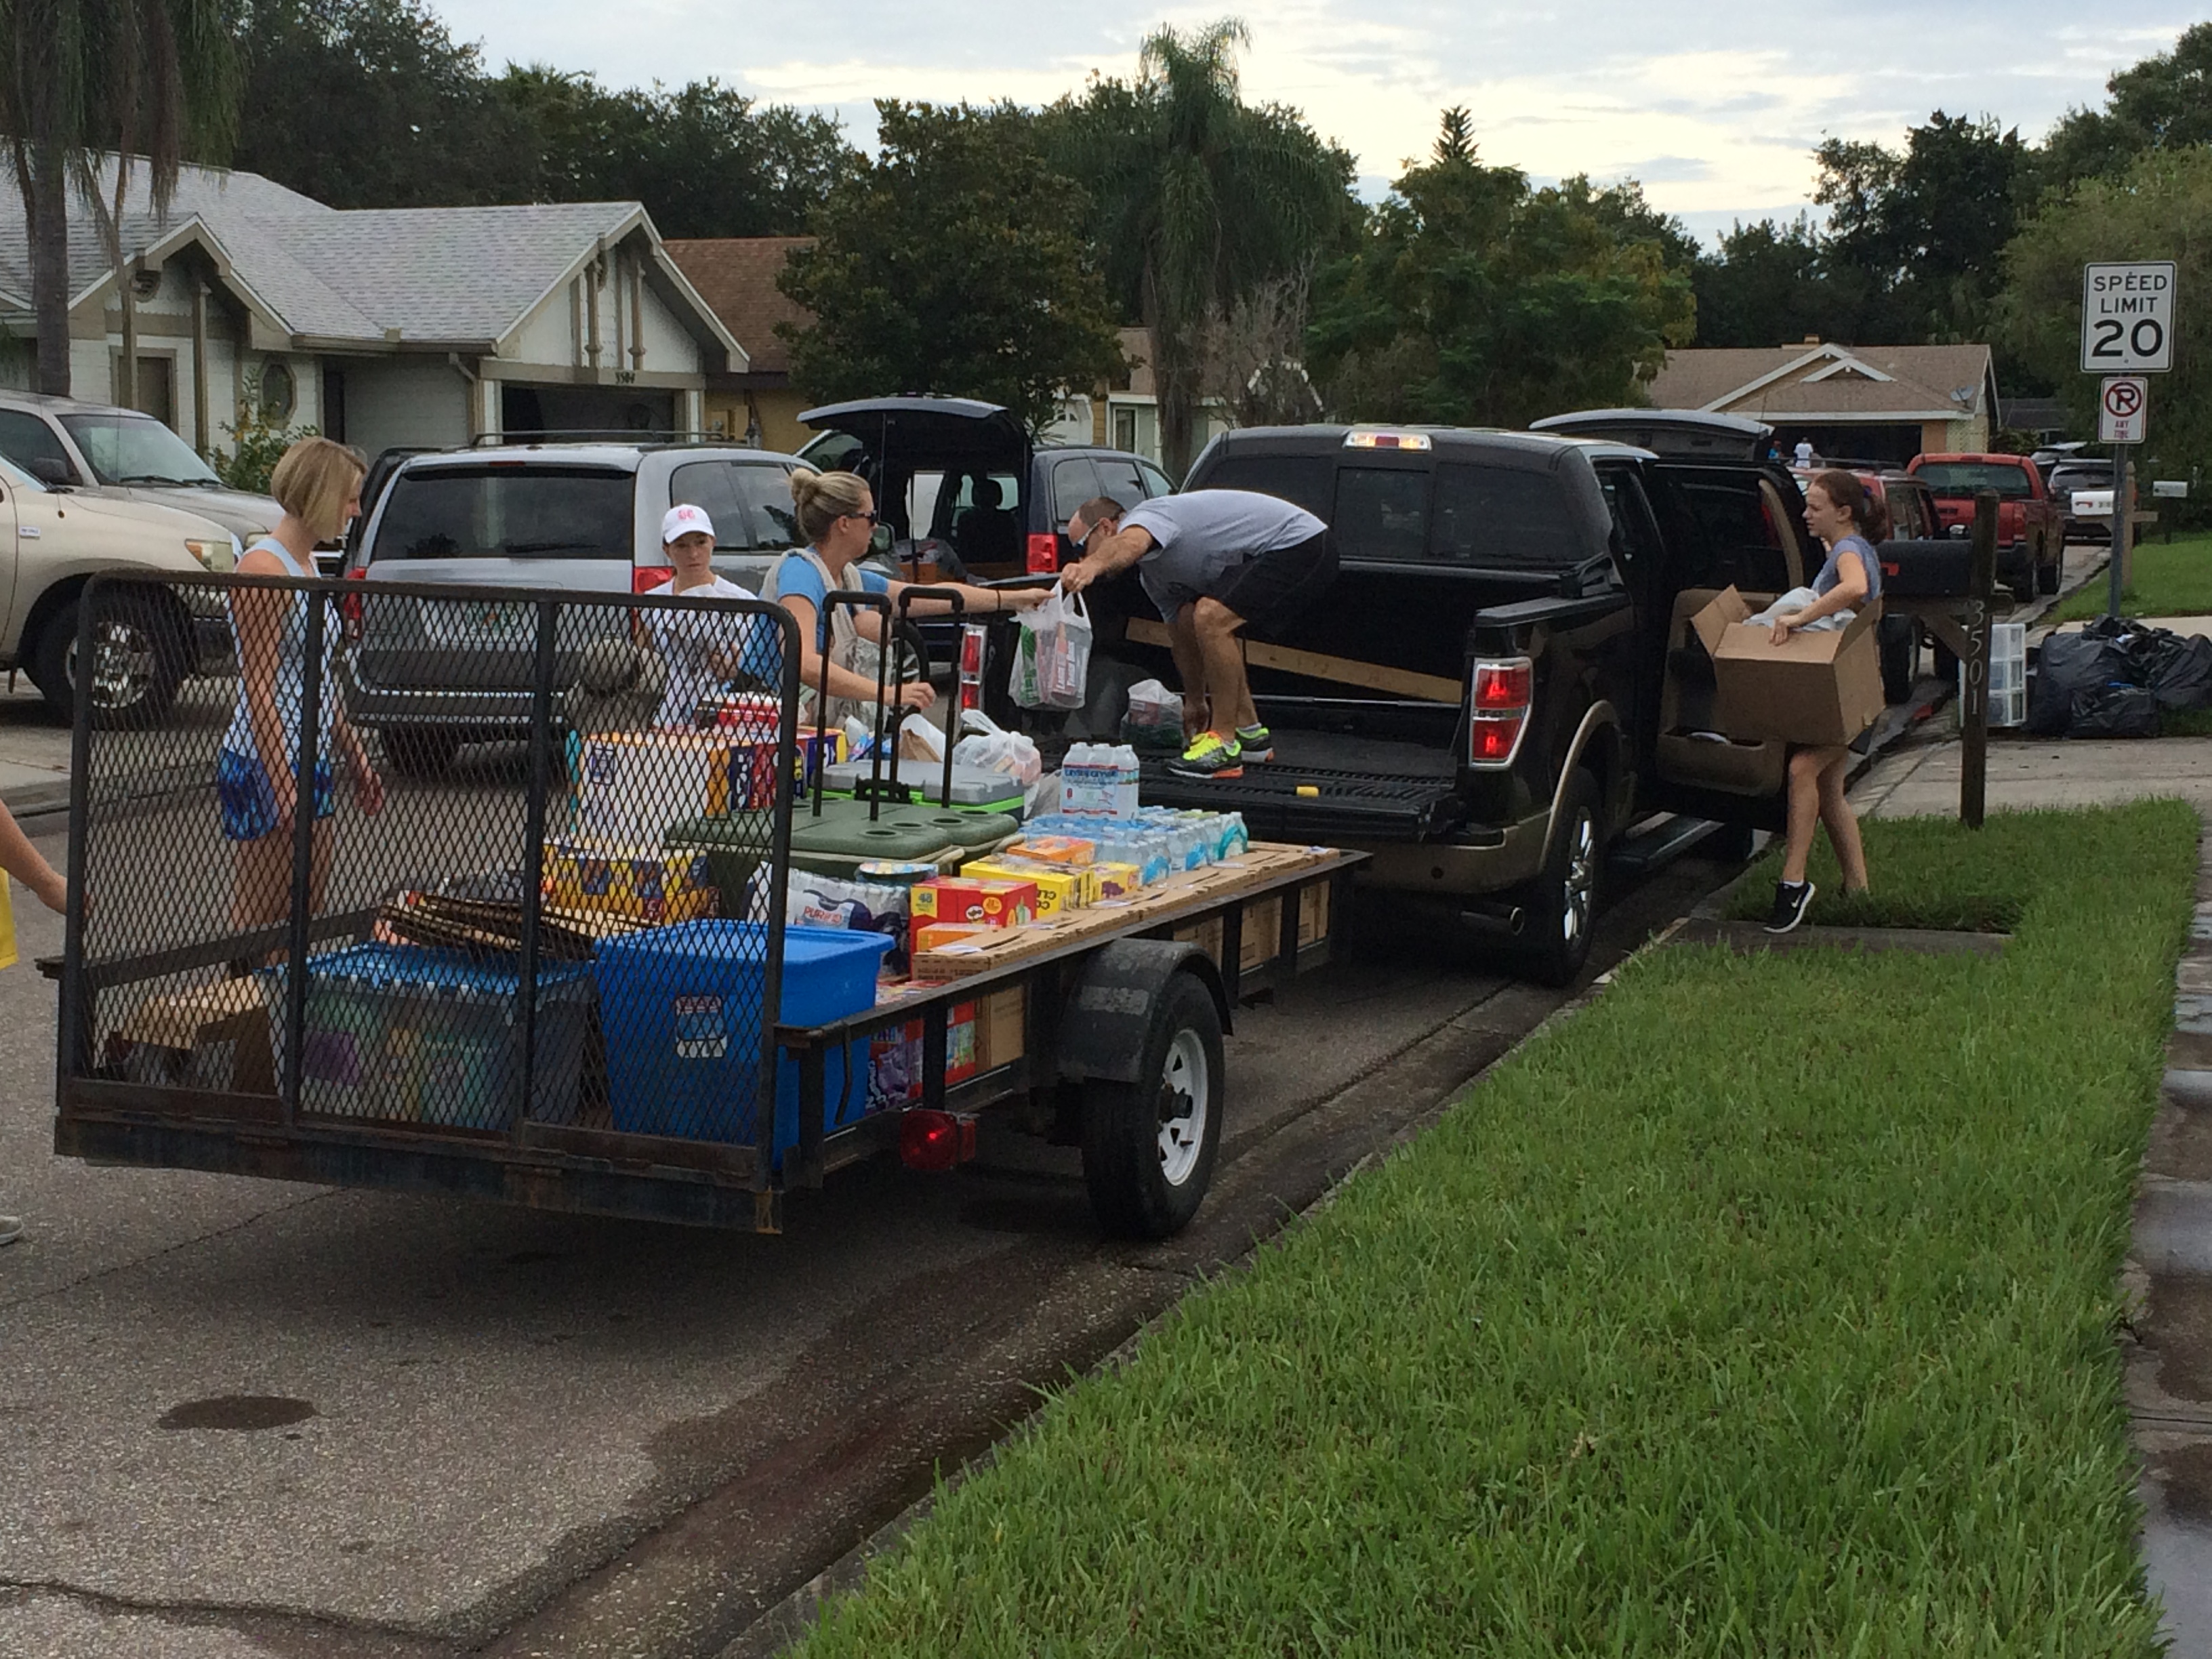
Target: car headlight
x=220 y=557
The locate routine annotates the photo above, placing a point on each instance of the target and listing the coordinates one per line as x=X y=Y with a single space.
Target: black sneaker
x=1791 y=902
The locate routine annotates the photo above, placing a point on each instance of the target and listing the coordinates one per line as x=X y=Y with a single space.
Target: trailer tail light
x=1044 y=554
x=644 y=578
x=972 y=636
x=1498 y=710
x=935 y=1140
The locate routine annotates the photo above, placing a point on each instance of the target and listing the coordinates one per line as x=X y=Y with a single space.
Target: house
x=736 y=276
x=430 y=326
x=1872 y=403
x=1127 y=414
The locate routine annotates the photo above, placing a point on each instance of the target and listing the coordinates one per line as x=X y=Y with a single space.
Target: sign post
x=2127 y=332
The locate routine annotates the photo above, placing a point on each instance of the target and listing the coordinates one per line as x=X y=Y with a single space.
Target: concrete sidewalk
x=2167 y=1278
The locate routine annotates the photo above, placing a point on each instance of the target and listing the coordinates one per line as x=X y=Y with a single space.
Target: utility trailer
x=482 y=1063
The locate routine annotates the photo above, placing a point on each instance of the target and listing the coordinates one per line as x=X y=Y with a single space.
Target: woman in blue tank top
x=1849 y=520
x=317 y=483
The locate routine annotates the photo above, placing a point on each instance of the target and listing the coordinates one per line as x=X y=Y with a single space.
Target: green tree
x=152 y=79
x=955 y=261
x=2165 y=103
x=373 y=104
x=1770 y=284
x=2159 y=207
x=1474 y=299
x=1200 y=199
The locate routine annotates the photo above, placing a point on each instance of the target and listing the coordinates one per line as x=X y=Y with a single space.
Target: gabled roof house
x=1875 y=403
x=429 y=326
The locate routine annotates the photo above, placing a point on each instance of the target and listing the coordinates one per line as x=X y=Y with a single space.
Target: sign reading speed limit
x=2127 y=319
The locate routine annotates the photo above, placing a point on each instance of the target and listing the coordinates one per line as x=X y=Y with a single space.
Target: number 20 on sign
x=2127 y=317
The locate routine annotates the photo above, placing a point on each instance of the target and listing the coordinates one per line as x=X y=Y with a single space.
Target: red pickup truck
x=2031 y=521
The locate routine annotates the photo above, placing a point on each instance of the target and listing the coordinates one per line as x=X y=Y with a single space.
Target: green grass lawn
x=1766 y=1307
x=2170 y=579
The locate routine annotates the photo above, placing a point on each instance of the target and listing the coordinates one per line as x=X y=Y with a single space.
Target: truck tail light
x=352 y=606
x=972 y=636
x=935 y=1140
x=1044 y=554
x=1500 y=693
x=644 y=578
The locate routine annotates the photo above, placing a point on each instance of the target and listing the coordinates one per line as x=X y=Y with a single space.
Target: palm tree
x=148 y=79
x=1205 y=194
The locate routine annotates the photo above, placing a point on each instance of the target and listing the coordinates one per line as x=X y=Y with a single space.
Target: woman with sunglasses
x=837 y=517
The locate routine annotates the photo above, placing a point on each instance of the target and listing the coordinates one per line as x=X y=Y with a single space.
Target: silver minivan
x=584 y=517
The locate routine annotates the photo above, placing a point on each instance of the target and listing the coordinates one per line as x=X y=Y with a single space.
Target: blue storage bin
x=681 y=1008
x=401 y=1031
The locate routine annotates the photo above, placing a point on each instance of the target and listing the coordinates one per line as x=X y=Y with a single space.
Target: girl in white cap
x=703 y=651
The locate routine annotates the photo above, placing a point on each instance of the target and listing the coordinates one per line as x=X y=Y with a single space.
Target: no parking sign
x=2123 y=410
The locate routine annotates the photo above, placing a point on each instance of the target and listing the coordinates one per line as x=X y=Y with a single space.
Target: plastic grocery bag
x=996 y=749
x=1051 y=654
x=1153 y=725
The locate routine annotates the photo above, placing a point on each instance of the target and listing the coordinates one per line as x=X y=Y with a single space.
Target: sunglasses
x=870 y=516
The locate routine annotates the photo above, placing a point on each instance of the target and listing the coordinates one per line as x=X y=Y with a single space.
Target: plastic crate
x=402 y=1033
x=682 y=1010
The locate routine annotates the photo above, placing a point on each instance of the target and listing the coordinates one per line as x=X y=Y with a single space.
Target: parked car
x=936 y=463
x=145 y=640
x=123 y=455
x=1488 y=700
x=2082 y=473
x=582 y=516
x=2031 y=530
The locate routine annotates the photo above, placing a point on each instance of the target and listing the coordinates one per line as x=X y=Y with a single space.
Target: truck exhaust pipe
x=1490 y=916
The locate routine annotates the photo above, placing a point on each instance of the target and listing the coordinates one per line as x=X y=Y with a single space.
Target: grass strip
x=1764 y=1308
x=2171 y=578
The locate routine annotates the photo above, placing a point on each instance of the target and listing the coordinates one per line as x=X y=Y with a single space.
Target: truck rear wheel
x=2048 y=575
x=139 y=659
x=1563 y=904
x=1149 y=1146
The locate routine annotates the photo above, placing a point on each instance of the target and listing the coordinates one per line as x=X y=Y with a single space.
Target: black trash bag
x=2183 y=677
x=2070 y=663
x=2118 y=710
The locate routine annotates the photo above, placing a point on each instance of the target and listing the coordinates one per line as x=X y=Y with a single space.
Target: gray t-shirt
x=1200 y=536
x=1829 y=575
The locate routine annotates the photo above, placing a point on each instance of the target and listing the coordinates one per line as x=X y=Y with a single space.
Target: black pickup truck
x=1500 y=686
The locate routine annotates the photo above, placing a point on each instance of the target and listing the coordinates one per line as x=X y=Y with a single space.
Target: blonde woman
x=317 y=483
x=837 y=517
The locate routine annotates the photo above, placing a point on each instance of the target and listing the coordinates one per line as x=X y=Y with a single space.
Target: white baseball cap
x=683 y=519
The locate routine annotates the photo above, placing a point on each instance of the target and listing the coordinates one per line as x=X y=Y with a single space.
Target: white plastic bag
x=1051 y=654
x=996 y=749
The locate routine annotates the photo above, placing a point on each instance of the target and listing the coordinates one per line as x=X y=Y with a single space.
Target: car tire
x=1562 y=905
x=140 y=656
x=419 y=751
x=1149 y=1146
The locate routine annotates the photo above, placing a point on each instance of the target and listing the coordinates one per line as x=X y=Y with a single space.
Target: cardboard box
x=214 y=1038
x=1115 y=881
x=936 y=935
x=1262 y=932
x=642 y=883
x=1002 y=1027
x=1059 y=890
x=1313 y=913
x=1819 y=687
x=976 y=899
x=1054 y=849
x=894 y=1059
x=631 y=786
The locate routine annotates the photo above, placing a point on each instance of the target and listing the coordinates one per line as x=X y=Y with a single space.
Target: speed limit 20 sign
x=2127 y=319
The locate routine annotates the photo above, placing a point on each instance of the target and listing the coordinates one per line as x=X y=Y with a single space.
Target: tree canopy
x=956 y=261
x=1475 y=299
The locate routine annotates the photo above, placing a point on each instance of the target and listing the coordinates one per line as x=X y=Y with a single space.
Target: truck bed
x=1363 y=789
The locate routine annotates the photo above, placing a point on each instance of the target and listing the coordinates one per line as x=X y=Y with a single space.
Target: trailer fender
x=1109 y=1011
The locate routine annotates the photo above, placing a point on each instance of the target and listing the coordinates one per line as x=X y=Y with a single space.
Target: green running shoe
x=1209 y=757
x=1256 y=743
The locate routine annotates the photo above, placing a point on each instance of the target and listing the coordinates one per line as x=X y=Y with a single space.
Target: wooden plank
x=1400 y=682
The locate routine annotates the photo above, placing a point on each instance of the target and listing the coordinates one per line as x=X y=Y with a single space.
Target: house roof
x=736 y=276
x=1821 y=379
x=429 y=276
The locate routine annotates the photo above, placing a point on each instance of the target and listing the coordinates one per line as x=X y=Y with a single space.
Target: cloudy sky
x=1714 y=107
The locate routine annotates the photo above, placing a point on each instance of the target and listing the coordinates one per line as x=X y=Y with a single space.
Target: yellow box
x=1115 y=881
x=654 y=885
x=1058 y=889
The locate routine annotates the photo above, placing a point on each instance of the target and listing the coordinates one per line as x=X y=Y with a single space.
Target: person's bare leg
x=1247 y=713
x=1227 y=689
x=1804 y=811
x=1190 y=664
x=1843 y=823
x=261 y=893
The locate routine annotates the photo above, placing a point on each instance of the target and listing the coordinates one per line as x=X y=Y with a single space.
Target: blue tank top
x=291 y=658
x=1829 y=576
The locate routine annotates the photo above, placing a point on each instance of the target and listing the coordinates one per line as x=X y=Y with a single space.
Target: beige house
x=756 y=403
x=429 y=326
x=1873 y=402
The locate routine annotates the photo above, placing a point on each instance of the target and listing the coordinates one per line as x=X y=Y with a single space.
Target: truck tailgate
x=1348 y=806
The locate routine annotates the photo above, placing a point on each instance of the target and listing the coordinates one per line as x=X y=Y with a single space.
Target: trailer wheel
x=1563 y=905
x=1149 y=1146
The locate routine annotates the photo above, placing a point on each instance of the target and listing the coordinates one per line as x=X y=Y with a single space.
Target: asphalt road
x=519 y=1433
